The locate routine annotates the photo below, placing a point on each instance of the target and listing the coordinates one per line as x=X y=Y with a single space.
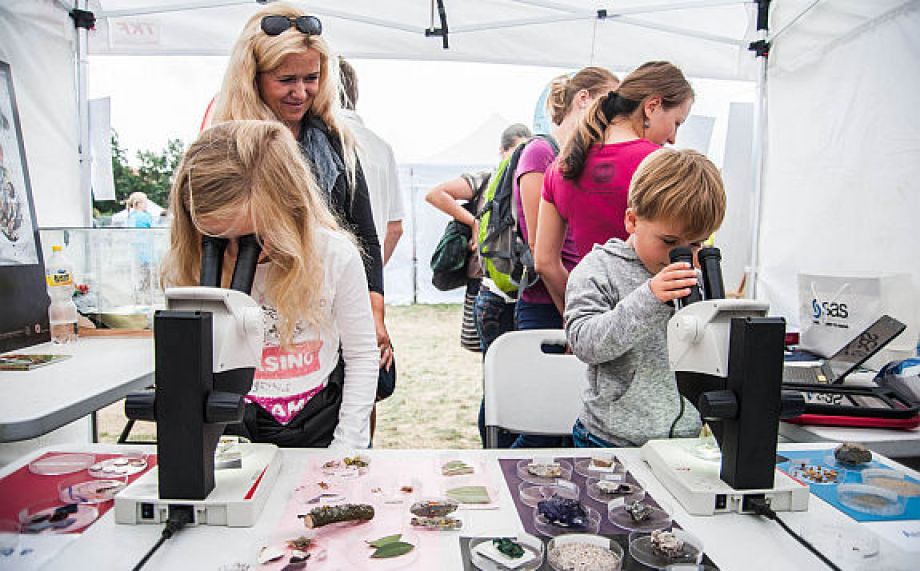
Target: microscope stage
x=237 y=499
x=684 y=468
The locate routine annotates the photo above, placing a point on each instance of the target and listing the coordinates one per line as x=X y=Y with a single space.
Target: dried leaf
x=385 y=540
x=393 y=549
x=469 y=495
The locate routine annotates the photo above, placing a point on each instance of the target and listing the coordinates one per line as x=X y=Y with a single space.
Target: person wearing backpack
x=585 y=190
x=569 y=98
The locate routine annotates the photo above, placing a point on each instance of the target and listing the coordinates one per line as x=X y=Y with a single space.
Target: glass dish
x=59 y=464
x=120 y=466
x=588 y=469
x=592 y=525
x=49 y=518
x=635 y=492
x=640 y=547
x=525 y=475
x=847 y=544
x=531 y=494
x=485 y=558
x=816 y=473
x=79 y=490
x=891 y=480
x=609 y=549
x=339 y=468
x=871 y=499
x=618 y=516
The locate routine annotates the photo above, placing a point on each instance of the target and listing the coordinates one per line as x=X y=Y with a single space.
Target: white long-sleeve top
x=288 y=378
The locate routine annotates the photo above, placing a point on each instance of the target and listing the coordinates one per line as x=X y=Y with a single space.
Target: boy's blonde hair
x=681 y=186
x=257 y=166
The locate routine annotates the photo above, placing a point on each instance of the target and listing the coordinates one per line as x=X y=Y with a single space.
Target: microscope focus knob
x=792 y=404
x=224 y=408
x=141 y=406
x=718 y=405
x=687 y=328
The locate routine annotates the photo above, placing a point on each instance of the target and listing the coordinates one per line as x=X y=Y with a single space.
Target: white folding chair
x=529 y=391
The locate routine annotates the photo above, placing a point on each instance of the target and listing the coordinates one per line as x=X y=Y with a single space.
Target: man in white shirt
x=379 y=166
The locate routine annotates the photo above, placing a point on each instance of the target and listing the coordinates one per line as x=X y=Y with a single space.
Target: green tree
x=153 y=176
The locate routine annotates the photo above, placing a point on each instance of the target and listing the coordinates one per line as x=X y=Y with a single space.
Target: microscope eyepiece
x=683 y=254
x=247 y=257
x=212 y=260
x=711 y=263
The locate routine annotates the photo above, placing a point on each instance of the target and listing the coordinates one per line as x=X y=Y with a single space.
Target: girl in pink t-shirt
x=585 y=191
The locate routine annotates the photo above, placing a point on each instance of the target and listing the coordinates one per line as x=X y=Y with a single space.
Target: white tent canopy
x=842 y=149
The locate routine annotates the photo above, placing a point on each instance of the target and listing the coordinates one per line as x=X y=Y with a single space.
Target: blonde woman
x=248 y=177
x=586 y=189
x=281 y=69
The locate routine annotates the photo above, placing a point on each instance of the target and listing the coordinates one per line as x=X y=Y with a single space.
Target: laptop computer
x=860 y=349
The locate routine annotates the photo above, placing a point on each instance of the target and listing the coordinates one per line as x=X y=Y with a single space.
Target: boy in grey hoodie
x=618 y=302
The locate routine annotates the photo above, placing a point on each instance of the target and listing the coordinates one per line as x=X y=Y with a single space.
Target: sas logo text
x=828 y=309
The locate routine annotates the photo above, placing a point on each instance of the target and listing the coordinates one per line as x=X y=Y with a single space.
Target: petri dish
x=525 y=474
x=643 y=551
x=9 y=538
x=584 y=551
x=545 y=527
x=351 y=466
x=891 y=480
x=589 y=469
x=120 y=466
x=59 y=464
x=485 y=557
x=817 y=473
x=53 y=518
x=657 y=518
x=871 y=499
x=606 y=490
x=531 y=494
x=95 y=491
x=845 y=543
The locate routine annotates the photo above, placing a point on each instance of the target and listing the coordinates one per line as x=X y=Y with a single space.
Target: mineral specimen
x=508 y=547
x=615 y=488
x=563 y=512
x=667 y=544
x=639 y=511
x=852 y=453
x=551 y=470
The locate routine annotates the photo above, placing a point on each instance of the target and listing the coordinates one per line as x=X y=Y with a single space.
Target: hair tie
x=610 y=105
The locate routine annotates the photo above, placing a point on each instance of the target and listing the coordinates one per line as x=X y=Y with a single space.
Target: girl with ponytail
x=585 y=190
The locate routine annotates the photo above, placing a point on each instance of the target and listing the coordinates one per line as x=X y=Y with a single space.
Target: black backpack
x=506 y=256
x=451 y=256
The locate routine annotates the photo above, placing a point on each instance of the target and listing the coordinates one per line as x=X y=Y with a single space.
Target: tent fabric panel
x=843 y=163
x=43 y=80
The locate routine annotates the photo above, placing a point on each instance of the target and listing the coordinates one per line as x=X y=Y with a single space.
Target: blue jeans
x=584 y=439
x=493 y=317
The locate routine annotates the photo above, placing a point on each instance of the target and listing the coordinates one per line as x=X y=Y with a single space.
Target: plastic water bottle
x=62 y=313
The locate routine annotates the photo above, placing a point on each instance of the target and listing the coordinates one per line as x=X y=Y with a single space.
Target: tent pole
x=762 y=49
x=82 y=56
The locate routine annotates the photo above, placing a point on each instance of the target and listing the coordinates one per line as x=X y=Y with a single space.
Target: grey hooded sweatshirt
x=616 y=325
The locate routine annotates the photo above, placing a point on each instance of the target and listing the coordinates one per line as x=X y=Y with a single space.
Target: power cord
x=179 y=517
x=762 y=507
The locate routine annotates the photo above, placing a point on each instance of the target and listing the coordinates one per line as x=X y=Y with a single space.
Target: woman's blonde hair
x=256 y=52
x=681 y=186
x=256 y=167
x=563 y=89
x=651 y=79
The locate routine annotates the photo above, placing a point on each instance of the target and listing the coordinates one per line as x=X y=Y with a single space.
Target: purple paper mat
x=525 y=512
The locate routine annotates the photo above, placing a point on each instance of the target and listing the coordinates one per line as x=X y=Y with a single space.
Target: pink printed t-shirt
x=537 y=156
x=594 y=206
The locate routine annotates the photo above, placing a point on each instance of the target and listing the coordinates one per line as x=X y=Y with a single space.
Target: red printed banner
x=300 y=360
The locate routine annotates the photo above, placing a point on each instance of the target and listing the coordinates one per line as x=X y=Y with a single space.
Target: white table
x=733 y=541
x=100 y=371
x=887 y=442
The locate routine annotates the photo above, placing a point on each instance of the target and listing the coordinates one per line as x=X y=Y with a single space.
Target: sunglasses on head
x=309 y=25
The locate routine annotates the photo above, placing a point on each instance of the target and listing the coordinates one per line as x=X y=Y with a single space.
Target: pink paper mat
x=344 y=543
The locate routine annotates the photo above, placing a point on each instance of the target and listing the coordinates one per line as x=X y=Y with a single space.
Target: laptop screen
x=866 y=344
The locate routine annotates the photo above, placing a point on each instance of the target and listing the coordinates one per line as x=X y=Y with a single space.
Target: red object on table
x=856 y=421
x=23 y=489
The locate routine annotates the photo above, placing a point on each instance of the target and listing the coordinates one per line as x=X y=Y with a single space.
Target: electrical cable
x=762 y=507
x=679 y=414
x=179 y=517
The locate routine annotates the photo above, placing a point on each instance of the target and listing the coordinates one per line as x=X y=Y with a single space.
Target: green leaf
x=469 y=495
x=385 y=540
x=393 y=549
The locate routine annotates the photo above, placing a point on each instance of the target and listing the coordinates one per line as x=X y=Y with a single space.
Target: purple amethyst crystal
x=563 y=512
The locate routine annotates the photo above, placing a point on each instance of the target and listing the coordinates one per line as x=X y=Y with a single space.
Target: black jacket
x=352 y=206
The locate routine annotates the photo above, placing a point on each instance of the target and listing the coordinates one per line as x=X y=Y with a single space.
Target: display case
x=116 y=272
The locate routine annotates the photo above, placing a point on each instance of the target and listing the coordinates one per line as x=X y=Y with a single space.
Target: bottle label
x=59 y=279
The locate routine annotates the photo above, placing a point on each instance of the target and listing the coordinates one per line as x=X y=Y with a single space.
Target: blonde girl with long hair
x=248 y=177
x=586 y=189
x=282 y=69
